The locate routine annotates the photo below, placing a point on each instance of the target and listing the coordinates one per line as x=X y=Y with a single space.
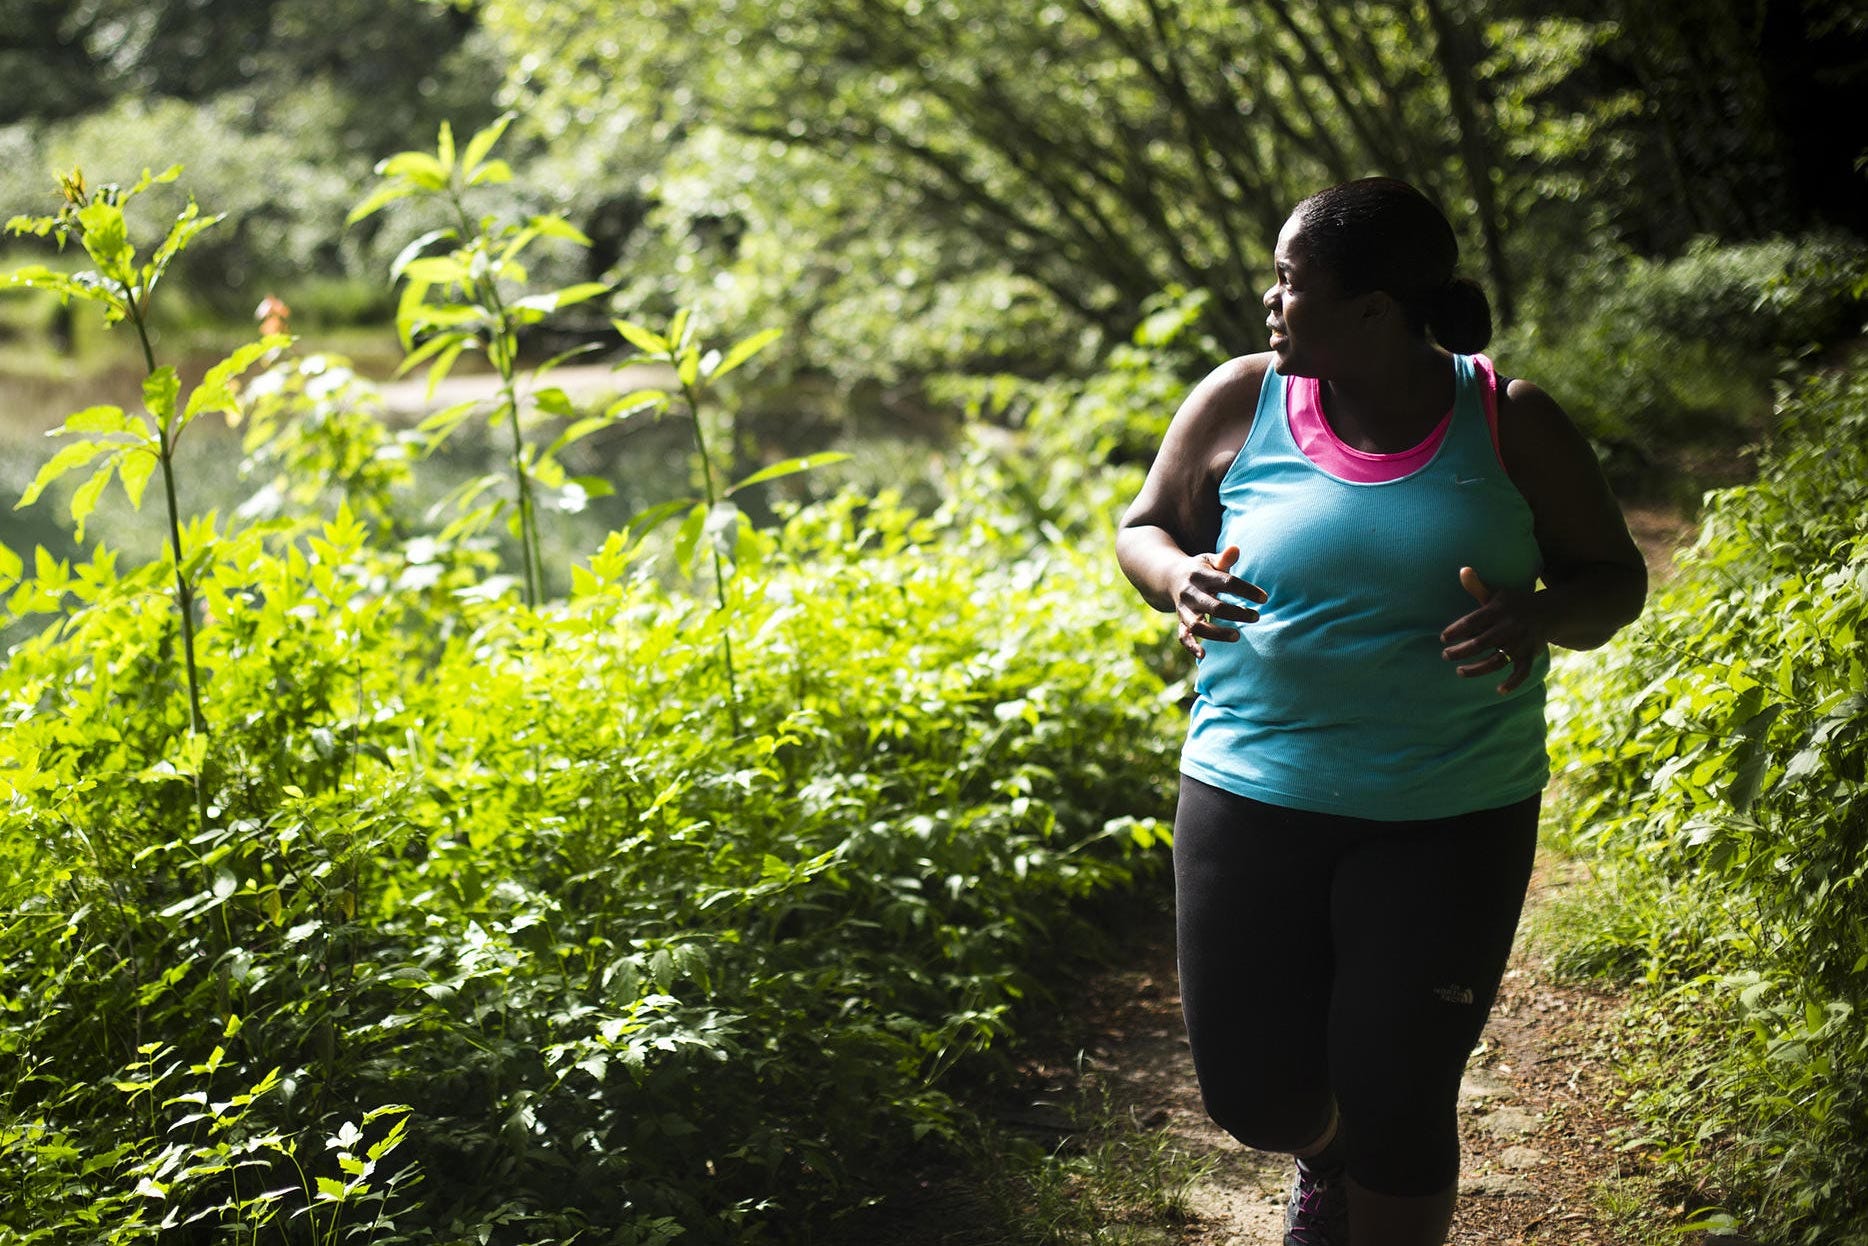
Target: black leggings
x=1332 y=961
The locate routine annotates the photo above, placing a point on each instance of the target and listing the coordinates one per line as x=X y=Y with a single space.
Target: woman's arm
x=1178 y=509
x=1595 y=580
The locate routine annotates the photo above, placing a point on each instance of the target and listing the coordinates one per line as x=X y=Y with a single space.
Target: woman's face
x=1312 y=325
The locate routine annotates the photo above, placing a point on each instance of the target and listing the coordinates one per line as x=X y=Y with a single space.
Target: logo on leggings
x=1454 y=994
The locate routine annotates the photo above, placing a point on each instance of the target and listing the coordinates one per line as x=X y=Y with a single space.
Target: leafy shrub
x=1720 y=757
x=1648 y=353
x=548 y=914
x=515 y=870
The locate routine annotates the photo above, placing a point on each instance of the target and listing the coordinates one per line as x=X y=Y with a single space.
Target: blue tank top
x=1337 y=700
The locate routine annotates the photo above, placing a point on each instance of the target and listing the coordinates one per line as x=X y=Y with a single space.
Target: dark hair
x=1379 y=233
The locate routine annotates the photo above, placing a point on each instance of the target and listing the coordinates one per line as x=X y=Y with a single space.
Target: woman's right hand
x=1199 y=606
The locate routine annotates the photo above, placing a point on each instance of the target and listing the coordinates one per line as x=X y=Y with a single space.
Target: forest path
x=1539 y=1165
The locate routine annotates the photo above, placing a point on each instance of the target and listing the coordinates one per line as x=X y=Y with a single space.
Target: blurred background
x=946 y=202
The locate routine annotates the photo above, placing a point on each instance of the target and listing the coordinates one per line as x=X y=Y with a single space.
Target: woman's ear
x=1377 y=306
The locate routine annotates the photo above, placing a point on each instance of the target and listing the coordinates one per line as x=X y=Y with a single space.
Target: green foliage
x=466 y=300
x=950 y=175
x=282 y=109
x=1650 y=355
x=105 y=439
x=471 y=922
x=503 y=867
x=1720 y=762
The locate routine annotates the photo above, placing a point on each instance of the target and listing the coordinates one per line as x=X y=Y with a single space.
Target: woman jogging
x=1369 y=539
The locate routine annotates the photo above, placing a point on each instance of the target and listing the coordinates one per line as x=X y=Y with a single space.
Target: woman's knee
x=1404 y=1154
x=1264 y=1121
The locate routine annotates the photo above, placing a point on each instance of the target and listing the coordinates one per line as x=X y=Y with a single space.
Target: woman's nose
x=1270 y=297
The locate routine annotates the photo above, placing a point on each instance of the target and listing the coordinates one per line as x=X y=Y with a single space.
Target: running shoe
x=1318 y=1213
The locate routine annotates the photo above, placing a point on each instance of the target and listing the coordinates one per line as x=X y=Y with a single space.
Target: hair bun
x=1460 y=316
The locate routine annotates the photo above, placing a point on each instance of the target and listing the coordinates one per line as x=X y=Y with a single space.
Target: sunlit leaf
x=557 y=227
x=99 y=419
x=563 y=298
x=642 y=339
x=379 y=199
x=68 y=458
x=134 y=469
x=789 y=467
x=216 y=391
x=160 y=389
x=492 y=173
x=444 y=149
x=106 y=238
x=84 y=497
x=483 y=141
x=687 y=537
x=744 y=350
x=417 y=168
x=414 y=249
x=636 y=402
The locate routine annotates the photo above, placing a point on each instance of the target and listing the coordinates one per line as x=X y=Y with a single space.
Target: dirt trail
x=1535 y=1108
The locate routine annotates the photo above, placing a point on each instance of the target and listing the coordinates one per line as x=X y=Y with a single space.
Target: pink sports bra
x=1303 y=403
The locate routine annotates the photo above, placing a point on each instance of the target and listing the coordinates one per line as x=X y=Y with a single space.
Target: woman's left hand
x=1507 y=630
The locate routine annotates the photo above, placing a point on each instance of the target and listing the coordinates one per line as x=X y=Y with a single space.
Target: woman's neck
x=1392 y=404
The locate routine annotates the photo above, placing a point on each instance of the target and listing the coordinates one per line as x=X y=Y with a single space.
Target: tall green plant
x=108 y=440
x=469 y=299
x=713 y=514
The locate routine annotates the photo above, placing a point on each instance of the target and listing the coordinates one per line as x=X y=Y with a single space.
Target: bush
x=630 y=952
x=421 y=913
x=1720 y=762
x=1650 y=355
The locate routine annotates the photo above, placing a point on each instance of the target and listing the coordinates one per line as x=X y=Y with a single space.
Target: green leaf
x=84 y=498
x=550 y=226
x=688 y=537
x=160 y=389
x=100 y=419
x=331 y=1189
x=436 y=270
x=492 y=173
x=539 y=372
x=642 y=339
x=106 y=238
x=408 y=254
x=11 y=566
x=149 y=179
x=429 y=348
x=68 y=458
x=635 y=403
x=553 y=401
x=379 y=199
x=551 y=302
x=577 y=432
x=644 y=522
x=216 y=391
x=39 y=277
x=408 y=310
x=134 y=469
x=742 y=351
x=186 y=227
x=482 y=142
x=789 y=467
x=441 y=425
x=417 y=168
x=444 y=149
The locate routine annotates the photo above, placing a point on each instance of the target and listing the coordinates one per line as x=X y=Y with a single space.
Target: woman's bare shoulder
x=1218 y=412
